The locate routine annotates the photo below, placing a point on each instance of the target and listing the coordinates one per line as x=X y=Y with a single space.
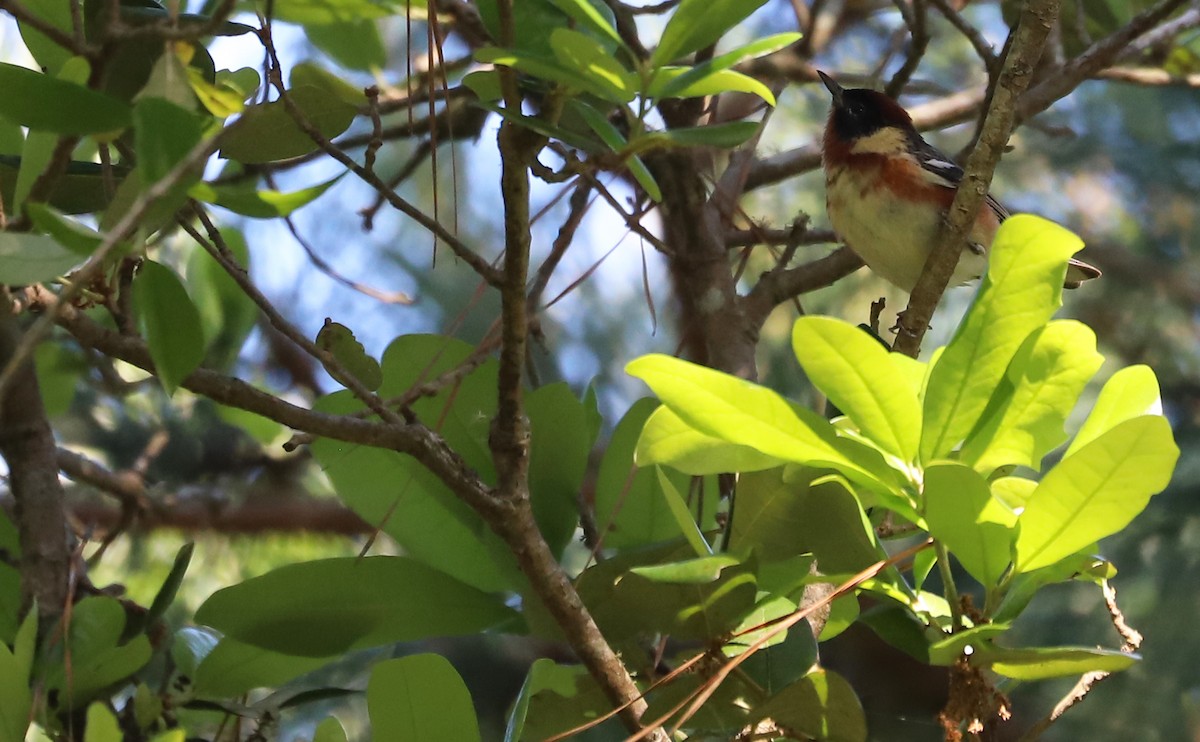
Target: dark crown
x=863 y=112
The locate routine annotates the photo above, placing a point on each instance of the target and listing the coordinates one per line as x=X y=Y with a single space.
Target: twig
x=466 y=254
x=1132 y=642
x=1149 y=76
x=777 y=286
x=914 y=18
x=1097 y=57
x=988 y=55
x=1028 y=41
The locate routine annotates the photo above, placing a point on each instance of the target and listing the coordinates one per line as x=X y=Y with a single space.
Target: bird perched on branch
x=888 y=190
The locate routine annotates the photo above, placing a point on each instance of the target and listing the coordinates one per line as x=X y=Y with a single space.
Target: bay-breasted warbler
x=888 y=190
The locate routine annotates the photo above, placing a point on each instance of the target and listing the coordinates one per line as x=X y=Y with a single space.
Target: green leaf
x=34 y=159
x=166 y=134
x=583 y=54
x=48 y=54
x=946 y=652
x=49 y=104
x=81 y=190
x=354 y=44
x=166 y=594
x=703 y=570
x=616 y=141
x=807 y=512
x=227 y=314
x=1020 y=293
x=683 y=517
x=394 y=492
x=326 y=607
x=323 y=12
x=233 y=668
x=591 y=14
x=98 y=660
x=688 y=610
x=260 y=204
x=855 y=371
x=15 y=696
x=267 y=132
x=820 y=705
x=33 y=258
x=1052 y=662
x=101 y=725
x=706 y=74
x=963 y=515
x=698 y=23
x=339 y=341
x=1129 y=393
x=560 y=444
x=715 y=83
x=722 y=136
x=738 y=411
x=630 y=509
x=1096 y=491
x=69 y=233
x=667 y=439
x=420 y=697
x=1048 y=373
x=558 y=699
x=171 y=323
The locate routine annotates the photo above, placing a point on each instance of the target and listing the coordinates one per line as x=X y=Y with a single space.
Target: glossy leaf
x=33 y=258
x=420 y=697
x=267 y=132
x=171 y=323
x=69 y=233
x=266 y=204
x=1096 y=491
x=326 y=607
x=593 y=15
x=1129 y=393
x=684 y=520
x=98 y=659
x=667 y=439
x=969 y=642
x=855 y=371
x=707 y=73
x=1048 y=374
x=1021 y=291
x=820 y=705
x=630 y=510
x=15 y=695
x=48 y=54
x=590 y=60
x=560 y=444
x=166 y=134
x=739 y=411
x=52 y=105
x=721 y=136
x=962 y=514
x=1053 y=662
x=698 y=23
x=616 y=141
x=233 y=668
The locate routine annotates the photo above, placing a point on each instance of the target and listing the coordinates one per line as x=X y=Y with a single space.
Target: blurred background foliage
x=1118 y=163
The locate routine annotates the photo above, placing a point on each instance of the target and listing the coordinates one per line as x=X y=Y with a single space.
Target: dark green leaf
x=420 y=697
x=681 y=85
x=48 y=54
x=170 y=321
x=591 y=61
x=558 y=458
x=821 y=705
x=33 y=258
x=48 y=104
x=1052 y=662
x=69 y=233
x=616 y=142
x=97 y=658
x=326 y=607
x=721 y=136
x=232 y=669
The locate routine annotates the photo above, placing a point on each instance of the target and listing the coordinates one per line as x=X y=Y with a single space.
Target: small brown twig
x=914 y=14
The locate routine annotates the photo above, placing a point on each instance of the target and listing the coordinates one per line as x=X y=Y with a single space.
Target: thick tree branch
x=777 y=286
x=1028 y=41
x=27 y=445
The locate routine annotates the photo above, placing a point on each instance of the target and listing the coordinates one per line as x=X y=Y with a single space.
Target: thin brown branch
x=1098 y=56
x=918 y=29
x=1132 y=641
x=988 y=55
x=482 y=267
x=1028 y=41
x=780 y=285
x=1150 y=76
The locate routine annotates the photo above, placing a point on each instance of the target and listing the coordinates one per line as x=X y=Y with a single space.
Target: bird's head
x=858 y=113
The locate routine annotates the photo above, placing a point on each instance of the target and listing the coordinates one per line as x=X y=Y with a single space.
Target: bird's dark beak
x=834 y=89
